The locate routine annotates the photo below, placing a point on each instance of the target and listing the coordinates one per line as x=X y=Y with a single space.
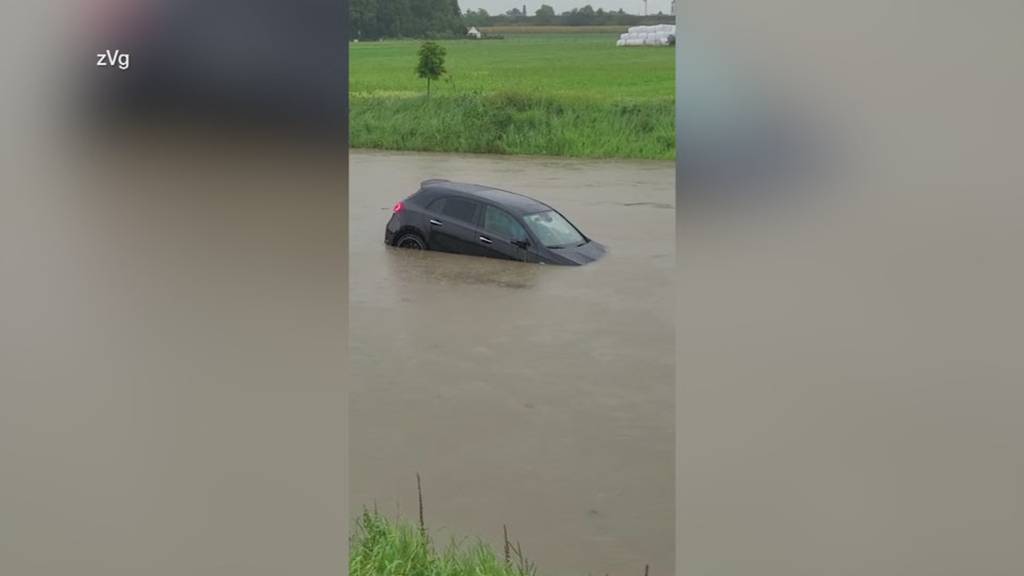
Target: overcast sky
x=631 y=6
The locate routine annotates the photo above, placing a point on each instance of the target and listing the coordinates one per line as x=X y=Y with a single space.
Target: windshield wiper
x=562 y=246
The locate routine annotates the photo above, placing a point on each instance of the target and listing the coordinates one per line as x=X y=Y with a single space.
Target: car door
x=452 y=225
x=503 y=236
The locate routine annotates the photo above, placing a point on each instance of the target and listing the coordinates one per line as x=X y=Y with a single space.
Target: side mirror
x=524 y=244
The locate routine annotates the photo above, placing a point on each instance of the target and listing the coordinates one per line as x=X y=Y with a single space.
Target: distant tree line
x=546 y=16
x=372 y=19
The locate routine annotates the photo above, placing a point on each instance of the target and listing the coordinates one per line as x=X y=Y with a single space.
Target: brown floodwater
x=537 y=397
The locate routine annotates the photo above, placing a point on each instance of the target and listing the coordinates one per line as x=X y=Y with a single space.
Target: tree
x=431 y=63
x=478 y=18
x=370 y=19
x=364 y=18
x=394 y=18
x=545 y=13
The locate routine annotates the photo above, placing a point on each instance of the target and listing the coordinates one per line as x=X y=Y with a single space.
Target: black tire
x=411 y=241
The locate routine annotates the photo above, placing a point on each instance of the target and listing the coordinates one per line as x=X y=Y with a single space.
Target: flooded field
x=540 y=397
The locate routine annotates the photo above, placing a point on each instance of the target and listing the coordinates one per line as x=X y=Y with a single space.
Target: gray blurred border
x=173 y=331
x=849 y=316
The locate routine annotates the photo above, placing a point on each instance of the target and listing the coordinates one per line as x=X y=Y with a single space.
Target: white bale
x=620 y=42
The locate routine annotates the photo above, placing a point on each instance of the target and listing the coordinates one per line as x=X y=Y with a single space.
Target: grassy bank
x=550 y=94
x=509 y=123
x=385 y=547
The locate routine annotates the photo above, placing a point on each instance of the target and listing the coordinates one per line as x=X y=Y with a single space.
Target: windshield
x=552 y=230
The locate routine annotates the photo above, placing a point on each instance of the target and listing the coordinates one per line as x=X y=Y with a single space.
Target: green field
x=558 y=94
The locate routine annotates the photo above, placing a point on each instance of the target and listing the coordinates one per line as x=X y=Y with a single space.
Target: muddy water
x=540 y=397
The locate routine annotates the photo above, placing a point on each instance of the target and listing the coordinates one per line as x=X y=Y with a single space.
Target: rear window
x=458 y=209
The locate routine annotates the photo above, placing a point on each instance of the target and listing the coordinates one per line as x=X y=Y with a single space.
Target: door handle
x=436 y=222
x=486 y=240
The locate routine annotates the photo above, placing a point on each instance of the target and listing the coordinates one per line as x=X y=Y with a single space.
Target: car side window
x=501 y=223
x=436 y=206
x=459 y=209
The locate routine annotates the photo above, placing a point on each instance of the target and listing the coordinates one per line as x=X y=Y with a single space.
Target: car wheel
x=412 y=241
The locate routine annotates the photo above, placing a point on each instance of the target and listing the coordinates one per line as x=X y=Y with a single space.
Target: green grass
x=556 y=94
x=384 y=547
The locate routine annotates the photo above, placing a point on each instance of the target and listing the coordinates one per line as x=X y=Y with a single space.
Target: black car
x=484 y=221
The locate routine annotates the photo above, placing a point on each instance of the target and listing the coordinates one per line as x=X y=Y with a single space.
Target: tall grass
x=516 y=123
x=385 y=547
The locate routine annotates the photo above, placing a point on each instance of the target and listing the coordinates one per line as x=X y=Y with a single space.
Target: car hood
x=585 y=254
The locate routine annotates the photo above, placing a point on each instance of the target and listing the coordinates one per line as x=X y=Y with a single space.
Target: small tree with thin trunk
x=431 y=63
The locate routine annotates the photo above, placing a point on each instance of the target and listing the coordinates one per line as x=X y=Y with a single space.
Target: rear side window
x=458 y=209
x=501 y=223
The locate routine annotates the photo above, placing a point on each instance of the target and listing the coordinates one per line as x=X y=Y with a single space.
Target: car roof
x=518 y=204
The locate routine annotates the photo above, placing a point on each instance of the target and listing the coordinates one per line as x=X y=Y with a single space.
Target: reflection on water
x=535 y=396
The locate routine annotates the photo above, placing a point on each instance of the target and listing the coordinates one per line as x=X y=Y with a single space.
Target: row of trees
x=372 y=19
x=546 y=16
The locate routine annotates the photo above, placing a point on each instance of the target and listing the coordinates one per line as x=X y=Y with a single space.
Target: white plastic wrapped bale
x=658 y=35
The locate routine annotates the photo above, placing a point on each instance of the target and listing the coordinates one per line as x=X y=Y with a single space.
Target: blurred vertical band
x=849 y=311
x=173 y=255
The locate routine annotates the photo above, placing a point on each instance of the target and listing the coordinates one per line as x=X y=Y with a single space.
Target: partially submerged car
x=483 y=221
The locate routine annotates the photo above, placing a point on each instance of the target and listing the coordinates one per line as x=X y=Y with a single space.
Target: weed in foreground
x=389 y=547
